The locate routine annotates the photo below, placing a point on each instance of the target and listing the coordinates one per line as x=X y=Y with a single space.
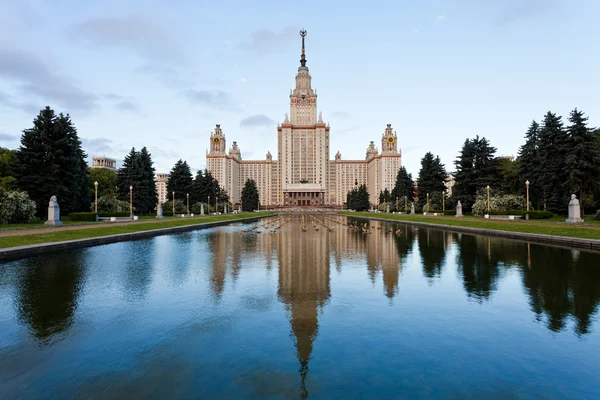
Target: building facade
x=303 y=174
x=104 y=162
x=160 y=180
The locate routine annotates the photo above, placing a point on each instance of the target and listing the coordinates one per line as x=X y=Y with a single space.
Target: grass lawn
x=555 y=226
x=113 y=229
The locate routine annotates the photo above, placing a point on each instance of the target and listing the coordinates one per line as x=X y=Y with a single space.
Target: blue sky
x=162 y=74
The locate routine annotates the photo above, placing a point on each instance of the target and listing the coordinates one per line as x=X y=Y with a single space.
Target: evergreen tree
x=145 y=191
x=553 y=175
x=180 y=180
x=199 y=193
x=358 y=199
x=75 y=170
x=50 y=161
x=432 y=177
x=404 y=187
x=384 y=196
x=475 y=168
x=510 y=177
x=582 y=159
x=529 y=165
x=250 y=196
x=128 y=175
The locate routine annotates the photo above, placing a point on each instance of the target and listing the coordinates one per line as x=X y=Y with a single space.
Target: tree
x=432 y=177
x=180 y=180
x=552 y=174
x=50 y=161
x=475 y=168
x=107 y=181
x=8 y=158
x=250 y=196
x=582 y=159
x=384 y=196
x=137 y=172
x=529 y=164
x=510 y=177
x=403 y=187
x=358 y=198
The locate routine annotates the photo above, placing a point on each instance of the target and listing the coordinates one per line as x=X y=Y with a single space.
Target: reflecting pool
x=303 y=307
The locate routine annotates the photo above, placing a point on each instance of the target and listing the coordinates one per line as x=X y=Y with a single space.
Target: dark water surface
x=231 y=312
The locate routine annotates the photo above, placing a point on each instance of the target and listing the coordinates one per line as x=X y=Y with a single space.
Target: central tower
x=303 y=145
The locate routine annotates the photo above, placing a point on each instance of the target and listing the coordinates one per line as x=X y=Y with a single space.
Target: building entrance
x=304 y=199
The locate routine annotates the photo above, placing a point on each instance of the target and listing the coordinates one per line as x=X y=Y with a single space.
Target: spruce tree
x=146 y=195
x=432 y=177
x=476 y=168
x=404 y=187
x=250 y=196
x=529 y=165
x=50 y=161
x=128 y=175
x=553 y=175
x=180 y=180
x=582 y=159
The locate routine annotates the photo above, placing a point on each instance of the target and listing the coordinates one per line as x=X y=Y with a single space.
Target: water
x=232 y=313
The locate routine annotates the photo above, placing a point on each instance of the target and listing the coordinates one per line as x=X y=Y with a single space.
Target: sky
x=161 y=74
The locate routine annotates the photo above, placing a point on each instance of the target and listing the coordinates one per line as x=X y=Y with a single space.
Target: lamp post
x=427 y=204
x=173 y=203
x=396 y=204
x=406 y=203
x=488 y=191
x=527 y=189
x=443 y=200
x=96 y=196
x=188 y=203
x=208 y=205
x=131 y=201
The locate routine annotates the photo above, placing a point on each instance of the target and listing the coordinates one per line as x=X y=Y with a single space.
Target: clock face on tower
x=390 y=140
x=216 y=140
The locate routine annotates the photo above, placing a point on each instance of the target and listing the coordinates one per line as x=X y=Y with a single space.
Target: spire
x=303 y=57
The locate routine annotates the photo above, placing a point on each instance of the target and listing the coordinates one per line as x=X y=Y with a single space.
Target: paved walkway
x=72 y=227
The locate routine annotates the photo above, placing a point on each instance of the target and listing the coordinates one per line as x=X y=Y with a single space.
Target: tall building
x=303 y=174
x=104 y=162
x=160 y=180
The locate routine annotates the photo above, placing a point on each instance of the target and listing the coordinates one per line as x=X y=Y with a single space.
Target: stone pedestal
x=202 y=209
x=159 y=211
x=53 y=212
x=459 y=213
x=412 y=209
x=225 y=209
x=388 y=209
x=574 y=211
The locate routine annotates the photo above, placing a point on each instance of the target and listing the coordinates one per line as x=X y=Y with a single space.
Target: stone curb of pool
x=18 y=252
x=592 y=244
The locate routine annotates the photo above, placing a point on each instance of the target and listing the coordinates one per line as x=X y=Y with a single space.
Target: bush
x=110 y=203
x=91 y=216
x=597 y=216
x=180 y=208
x=16 y=207
x=498 y=203
x=537 y=214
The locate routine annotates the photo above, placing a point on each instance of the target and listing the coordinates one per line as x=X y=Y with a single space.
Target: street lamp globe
x=96 y=183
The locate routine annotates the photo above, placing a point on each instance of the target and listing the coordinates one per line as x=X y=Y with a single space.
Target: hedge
x=533 y=214
x=445 y=212
x=91 y=216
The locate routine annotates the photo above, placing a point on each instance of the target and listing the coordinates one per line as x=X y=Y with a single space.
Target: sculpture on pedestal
x=53 y=212
x=459 y=213
x=574 y=211
x=412 y=208
x=159 y=211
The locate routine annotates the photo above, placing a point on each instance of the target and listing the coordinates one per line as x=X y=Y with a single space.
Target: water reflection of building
x=303 y=285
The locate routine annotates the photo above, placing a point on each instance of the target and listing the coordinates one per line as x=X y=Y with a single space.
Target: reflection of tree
x=562 y=284
x=405 y=241
x=433 y=252
x=47 y=293
x=138 y=262
x=480 y=271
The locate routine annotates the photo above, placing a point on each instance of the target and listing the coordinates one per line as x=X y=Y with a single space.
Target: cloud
x=268 y=42
x=127 y=105
x=34 y=79
x=214 y=98
x=5 y=137
x=257 y=121
x=98 y=146
x=441 y=18
x=340 y=115
x=138 y=33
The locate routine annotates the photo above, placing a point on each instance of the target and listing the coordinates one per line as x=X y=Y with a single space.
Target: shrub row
x=91 y=216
